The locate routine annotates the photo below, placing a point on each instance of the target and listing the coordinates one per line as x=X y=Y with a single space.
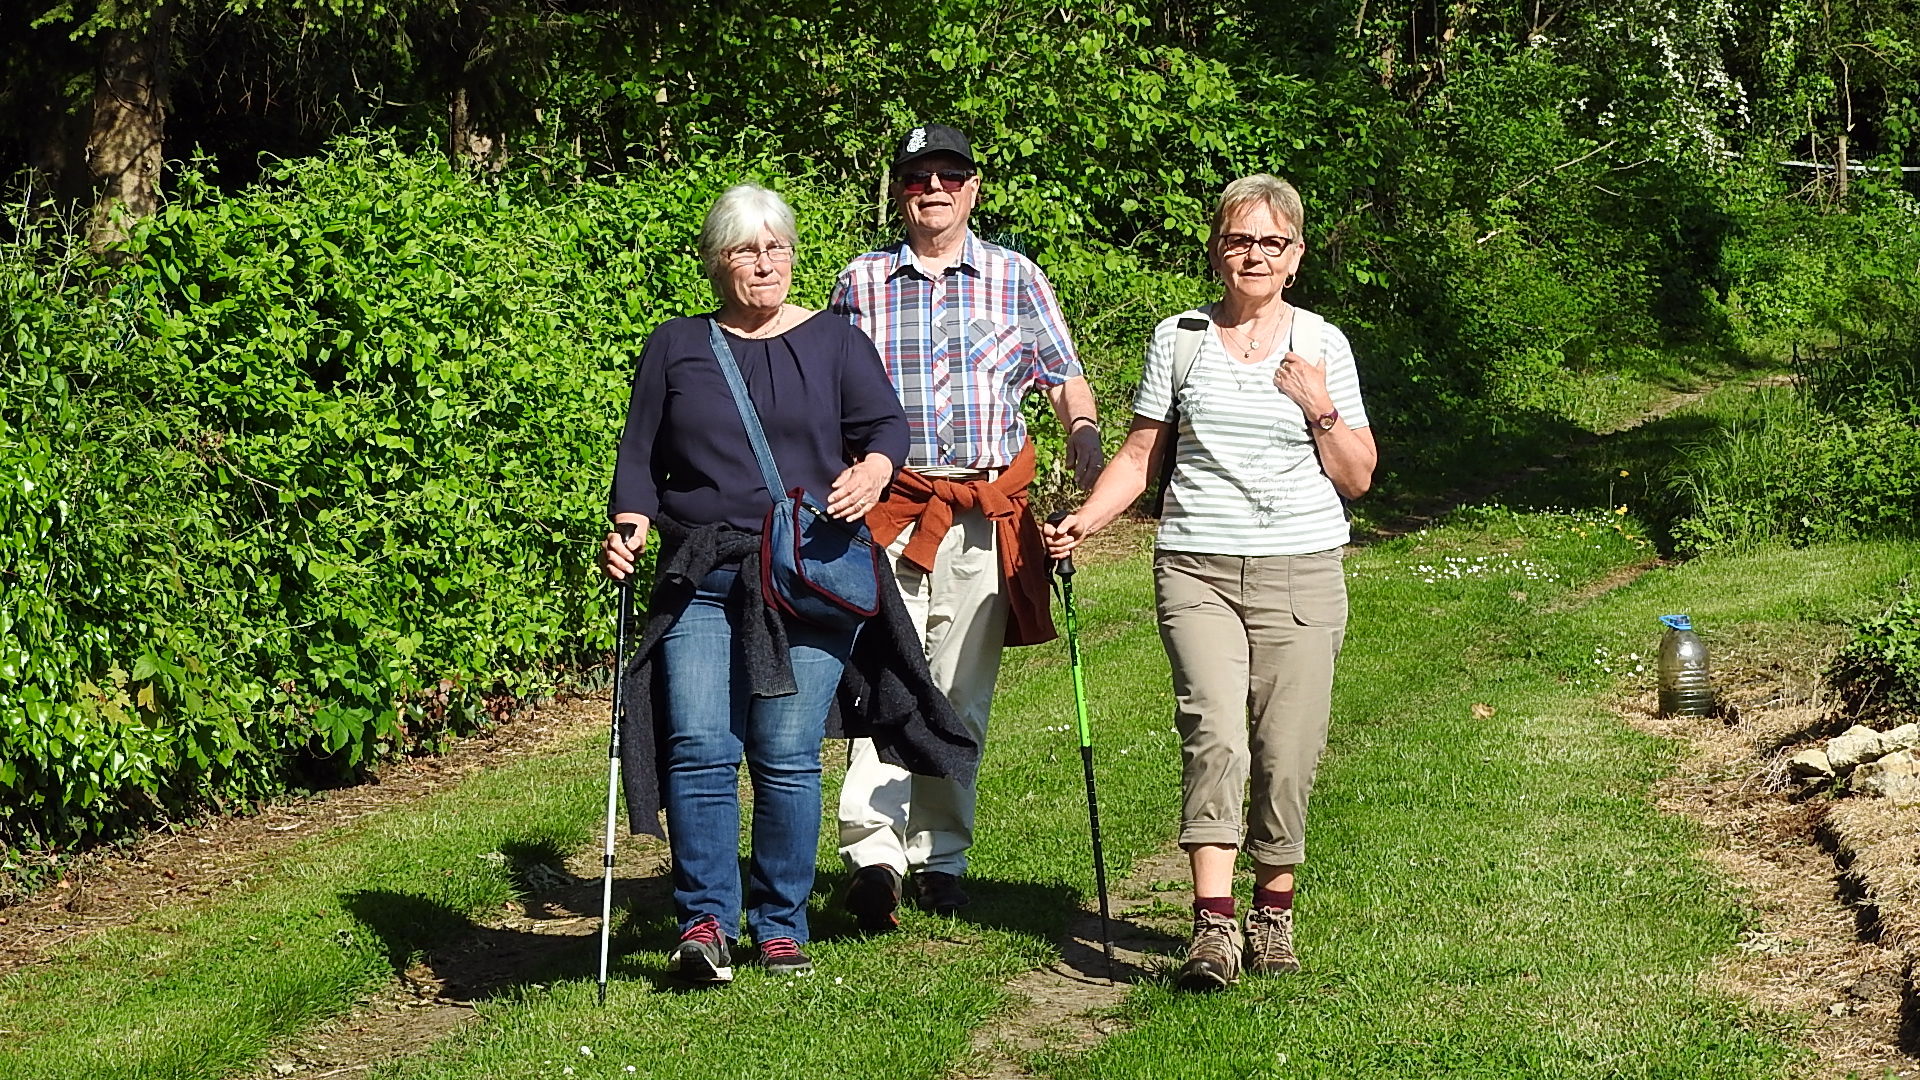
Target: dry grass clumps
x=1834 y=881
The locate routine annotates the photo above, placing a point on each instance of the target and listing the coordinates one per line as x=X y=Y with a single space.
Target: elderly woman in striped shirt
x=1261 y=405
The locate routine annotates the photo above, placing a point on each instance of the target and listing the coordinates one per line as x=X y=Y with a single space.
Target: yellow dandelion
x=1623 y=472
x=1620 y=509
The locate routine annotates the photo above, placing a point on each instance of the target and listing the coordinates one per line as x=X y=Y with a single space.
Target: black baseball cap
x=932 y=139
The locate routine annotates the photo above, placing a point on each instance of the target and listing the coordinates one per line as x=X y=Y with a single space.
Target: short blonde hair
x=735 y=221
x=1263 y=189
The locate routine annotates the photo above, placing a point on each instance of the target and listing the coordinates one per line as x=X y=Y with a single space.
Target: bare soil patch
x=1822 y=951
x=553 y=933
x=187 y=864
x=1067 y=1007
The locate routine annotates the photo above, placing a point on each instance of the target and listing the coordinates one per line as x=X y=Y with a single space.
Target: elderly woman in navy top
x=685 y=466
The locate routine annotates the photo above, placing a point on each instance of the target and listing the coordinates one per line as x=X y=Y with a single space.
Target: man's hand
x=1084 y=455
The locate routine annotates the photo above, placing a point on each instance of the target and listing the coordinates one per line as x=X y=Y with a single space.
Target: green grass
x=203 y=993
x=1483 y=897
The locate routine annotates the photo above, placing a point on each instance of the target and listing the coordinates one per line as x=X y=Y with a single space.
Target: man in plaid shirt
x=966 y=329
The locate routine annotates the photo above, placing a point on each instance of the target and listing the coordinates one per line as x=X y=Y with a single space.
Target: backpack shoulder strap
x=1310 y=336
x=1187 y=340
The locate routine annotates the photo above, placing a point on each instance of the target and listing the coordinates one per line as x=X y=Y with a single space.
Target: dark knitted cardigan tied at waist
x=885 y=693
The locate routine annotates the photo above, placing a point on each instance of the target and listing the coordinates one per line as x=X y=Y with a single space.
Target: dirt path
x=553 y=933
x=1066 y=1006
x=200 y=863
x=1419 y=513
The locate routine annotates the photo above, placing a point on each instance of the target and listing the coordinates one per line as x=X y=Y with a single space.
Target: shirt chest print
x=1268 y=473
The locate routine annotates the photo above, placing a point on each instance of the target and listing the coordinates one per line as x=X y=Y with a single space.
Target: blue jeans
x=711 y=719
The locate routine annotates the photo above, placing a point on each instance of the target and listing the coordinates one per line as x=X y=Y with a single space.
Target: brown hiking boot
x=1213 y=959
x=1270 y=942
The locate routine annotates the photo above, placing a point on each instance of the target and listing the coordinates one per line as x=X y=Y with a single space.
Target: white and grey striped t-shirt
x=1246 y=479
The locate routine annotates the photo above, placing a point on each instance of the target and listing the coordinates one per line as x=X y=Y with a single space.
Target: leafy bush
x=1839 y=455
x=1880 y=667
x=1796 y=474
x=321 y=471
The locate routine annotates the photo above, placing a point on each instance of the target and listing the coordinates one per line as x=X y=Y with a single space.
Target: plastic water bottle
x=1685 y=687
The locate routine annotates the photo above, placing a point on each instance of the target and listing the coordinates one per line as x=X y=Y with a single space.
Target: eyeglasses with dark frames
x=1234 y=244
x=750 y=256
x=920 y=182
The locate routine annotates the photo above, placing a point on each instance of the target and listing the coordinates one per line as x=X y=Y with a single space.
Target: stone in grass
x=1853 y=746
x=1895 y=777
x=1811 y=765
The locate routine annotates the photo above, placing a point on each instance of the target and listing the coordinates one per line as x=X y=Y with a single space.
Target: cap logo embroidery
x=916 y=140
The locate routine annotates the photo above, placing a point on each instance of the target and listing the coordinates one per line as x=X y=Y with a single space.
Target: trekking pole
x=1064 y=568
x=626 y=530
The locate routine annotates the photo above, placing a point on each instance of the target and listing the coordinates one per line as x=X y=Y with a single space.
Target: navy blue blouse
x=823 y=398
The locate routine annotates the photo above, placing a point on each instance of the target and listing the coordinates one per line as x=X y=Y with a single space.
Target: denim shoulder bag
x=813 y=567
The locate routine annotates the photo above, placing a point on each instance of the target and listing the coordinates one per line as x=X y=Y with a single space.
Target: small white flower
x=568 y=1071
x=837 y=980
x=629 y=1068
x=586 y=1051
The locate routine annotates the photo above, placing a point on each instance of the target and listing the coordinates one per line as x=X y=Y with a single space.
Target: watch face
x=1327 y=421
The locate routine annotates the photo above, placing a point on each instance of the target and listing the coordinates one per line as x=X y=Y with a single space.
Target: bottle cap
x=1677 y=622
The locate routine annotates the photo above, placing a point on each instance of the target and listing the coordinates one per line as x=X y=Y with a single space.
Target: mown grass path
x=1485 y=895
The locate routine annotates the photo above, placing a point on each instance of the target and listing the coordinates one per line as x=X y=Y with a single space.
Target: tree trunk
x=1840 y=173
x=127 y=143
x=469 y=142
x=57 y=155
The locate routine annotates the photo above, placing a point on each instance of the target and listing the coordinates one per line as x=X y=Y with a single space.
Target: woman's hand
x=858 y=489
x=1305 y=382
x=618 y=556
x=1064 y=535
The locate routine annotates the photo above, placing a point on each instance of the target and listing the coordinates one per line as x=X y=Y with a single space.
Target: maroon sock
x=1273 y=898
x=1219 y=905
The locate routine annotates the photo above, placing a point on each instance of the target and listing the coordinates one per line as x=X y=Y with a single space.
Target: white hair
x=735 y=221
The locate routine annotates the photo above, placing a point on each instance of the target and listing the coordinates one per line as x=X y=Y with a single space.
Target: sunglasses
x=919 y=183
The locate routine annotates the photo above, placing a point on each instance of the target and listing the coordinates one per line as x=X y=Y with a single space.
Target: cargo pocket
x=1317 y=588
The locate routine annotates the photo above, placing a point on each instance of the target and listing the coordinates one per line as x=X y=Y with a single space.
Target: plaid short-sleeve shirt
x=962 y=347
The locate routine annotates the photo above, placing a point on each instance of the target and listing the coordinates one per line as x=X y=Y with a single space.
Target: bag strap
x=1187 y=339
x=1309 y=331
x=749 y=416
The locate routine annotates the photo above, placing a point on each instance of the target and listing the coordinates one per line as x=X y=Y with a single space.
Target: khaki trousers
x=892 y=817
x=1252 y=641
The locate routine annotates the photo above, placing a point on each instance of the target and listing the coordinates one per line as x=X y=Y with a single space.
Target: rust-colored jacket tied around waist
x=930 y=503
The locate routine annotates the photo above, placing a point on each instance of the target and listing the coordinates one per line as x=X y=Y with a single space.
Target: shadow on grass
x=552 y=935
x=1053 y=913
x=1541 y=463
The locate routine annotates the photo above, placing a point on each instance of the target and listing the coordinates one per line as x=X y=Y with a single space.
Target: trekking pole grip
x=626 y=529
x=1063 y=567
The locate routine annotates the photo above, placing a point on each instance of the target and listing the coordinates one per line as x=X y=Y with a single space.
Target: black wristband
x=1077 y=419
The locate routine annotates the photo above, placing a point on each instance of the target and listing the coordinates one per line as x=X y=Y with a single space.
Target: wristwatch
x=1326 y=420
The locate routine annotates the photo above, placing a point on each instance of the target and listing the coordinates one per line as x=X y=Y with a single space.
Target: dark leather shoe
x=939 y=892
x=873 y=897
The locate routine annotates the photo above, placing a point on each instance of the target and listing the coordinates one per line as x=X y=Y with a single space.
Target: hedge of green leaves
x=320 y=472
x=318 y=476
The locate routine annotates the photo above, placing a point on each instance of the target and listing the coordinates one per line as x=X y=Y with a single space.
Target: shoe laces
x=1270 y=929
x=1209 y=929
x=706 y=931
x=780 y=948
